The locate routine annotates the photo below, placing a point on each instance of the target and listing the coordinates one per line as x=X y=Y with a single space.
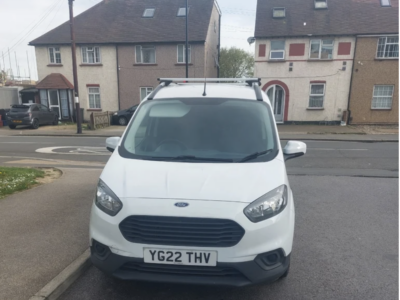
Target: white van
x=196 y=190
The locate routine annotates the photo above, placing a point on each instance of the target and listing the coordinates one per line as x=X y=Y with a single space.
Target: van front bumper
x=224 y=274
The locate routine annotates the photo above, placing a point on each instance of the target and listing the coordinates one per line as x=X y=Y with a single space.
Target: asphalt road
x=345 y=247
x=323 y=158
x=346 y=239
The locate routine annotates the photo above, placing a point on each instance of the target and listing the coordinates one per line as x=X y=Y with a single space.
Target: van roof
x=213 y=90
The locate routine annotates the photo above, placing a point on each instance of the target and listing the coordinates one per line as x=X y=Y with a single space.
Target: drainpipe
x=351 y=83
x=119 y=100
x=219 y=44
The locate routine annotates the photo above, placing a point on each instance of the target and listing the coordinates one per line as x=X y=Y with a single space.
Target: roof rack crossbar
x=249 y=81
x=158 y=88
x=258 y=92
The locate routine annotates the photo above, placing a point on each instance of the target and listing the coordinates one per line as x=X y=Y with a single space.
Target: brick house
x=123 y=46
x=305 y=53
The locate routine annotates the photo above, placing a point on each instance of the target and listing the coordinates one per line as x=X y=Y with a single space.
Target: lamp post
x=75 y=73
x=187 y=46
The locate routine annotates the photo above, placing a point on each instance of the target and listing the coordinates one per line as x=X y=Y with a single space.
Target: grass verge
x=17 y=179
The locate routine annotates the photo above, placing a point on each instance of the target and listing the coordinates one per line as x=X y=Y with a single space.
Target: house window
x=385 y=3
x=149 y=13
x=321 y=4
x=317 y=95
x=145 y=54
x=94 y=97
x=43 y=97
x=55 y=55
x=182 y=12
x=277 y=50
x=91 y=55
x=144 y=92
x=388 y=47
x=321 y=49
x=182 y=54
x=278 y=12
x=383 y=97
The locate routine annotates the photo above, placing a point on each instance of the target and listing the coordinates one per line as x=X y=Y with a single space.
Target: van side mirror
x=294 y=149
x=112 y=143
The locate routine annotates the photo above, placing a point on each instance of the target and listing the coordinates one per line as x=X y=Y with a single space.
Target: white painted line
x=77 y=150
x=329 y=149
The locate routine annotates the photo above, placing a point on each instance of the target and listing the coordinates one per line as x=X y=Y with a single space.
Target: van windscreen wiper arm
x=255 y=155
x=192 y=157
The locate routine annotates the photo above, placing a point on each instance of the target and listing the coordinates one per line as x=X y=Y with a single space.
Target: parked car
x=123 y=117
x=31 y=114
x=196 y=190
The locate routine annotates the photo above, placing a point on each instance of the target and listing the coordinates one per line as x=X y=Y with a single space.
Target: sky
x=24 y=20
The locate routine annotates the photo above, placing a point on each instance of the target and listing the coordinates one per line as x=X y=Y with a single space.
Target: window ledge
x=183 y=64
x=145 y=65
x=381 y=109
x=91 y=65
x=386 y=58
x=276 y=60
x=319 y=60
x=55 y=65
x=94 y=109
x=315 y=108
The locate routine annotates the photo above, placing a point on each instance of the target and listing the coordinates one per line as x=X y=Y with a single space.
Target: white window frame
x=389 y=5
x=97 y=58
x=384 y=50
x=320 y=1
x=317 y=95
x=276 y=51
x=149 y=90
x=320 y=49
x=99 y=93
x=54 y=55
x=149 y=9
x=373 y=96
x=179 y=10
x=141 y=55
x=184 y=54
x=278 y=9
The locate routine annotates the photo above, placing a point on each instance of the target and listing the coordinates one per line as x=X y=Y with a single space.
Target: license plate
x=17 y=121
x=180 y=257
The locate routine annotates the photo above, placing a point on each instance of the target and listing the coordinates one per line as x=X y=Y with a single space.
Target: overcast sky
x=24 y=20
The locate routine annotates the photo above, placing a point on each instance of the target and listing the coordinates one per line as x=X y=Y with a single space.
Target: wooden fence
x=100 y=119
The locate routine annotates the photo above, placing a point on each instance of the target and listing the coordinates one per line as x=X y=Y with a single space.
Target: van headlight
x=268 y=205
x=106 y=200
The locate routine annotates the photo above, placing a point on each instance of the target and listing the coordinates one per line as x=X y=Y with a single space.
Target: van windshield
x=201 y=130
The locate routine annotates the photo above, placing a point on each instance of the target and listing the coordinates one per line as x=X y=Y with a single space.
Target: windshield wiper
x=255 y=155
x=192 y=157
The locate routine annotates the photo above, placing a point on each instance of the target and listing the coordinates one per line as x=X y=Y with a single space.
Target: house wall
x=304 y=71
x=212 y=43
x=134 y=76
x=368 y=72
x=104 y=74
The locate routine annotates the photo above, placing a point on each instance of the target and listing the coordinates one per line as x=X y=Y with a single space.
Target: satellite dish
x=251 y=40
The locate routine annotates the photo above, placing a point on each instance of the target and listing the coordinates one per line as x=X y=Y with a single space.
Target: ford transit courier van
x=196 y=190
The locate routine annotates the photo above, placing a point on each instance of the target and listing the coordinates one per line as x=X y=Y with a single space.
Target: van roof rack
x=249 y=81
x=252 y=82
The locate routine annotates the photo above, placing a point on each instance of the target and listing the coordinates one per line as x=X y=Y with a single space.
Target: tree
x=236 y=63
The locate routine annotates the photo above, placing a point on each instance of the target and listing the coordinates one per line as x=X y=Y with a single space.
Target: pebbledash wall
x=104 y=74
x=368 y=72
x=335 y=73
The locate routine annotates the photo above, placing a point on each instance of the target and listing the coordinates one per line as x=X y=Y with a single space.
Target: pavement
x=286 y=132
x=43 y=230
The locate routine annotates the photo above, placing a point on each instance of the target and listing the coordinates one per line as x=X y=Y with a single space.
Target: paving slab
x=43 y=230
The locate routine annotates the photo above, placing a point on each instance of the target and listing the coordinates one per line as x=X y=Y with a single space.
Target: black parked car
x=122 y=117
x=31 y=114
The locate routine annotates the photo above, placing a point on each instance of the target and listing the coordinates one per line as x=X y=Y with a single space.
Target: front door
x=276 y=95
x=55 y=102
